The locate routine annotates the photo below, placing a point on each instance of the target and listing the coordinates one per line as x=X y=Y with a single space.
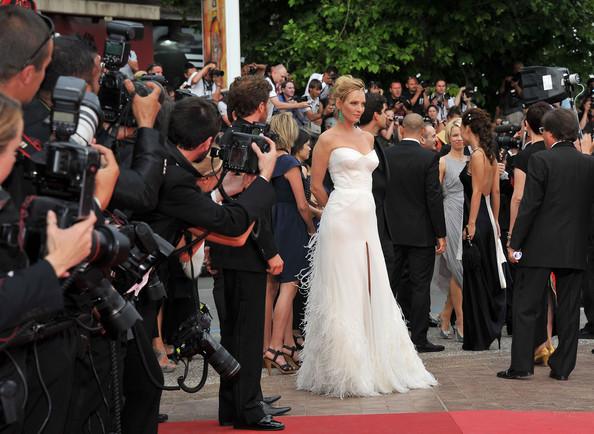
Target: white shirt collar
x=411 y=139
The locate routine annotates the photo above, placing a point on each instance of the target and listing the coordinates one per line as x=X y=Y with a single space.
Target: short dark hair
x=454 y=111
x=72 y=57
x=246 y=94
x=374 y=103
x=21 y=31
x=302 y=139
x=315 y=84
x=535 y=113
x=562 y=124
x=193 y=120
x=332 y=70
x=189 y=65
x=152 y=65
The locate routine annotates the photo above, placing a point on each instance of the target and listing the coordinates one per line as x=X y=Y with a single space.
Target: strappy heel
x=298 y=338
x=269 y=363
x=291 y=356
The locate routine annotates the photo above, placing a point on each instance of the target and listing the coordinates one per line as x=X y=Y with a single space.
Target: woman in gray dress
x=449 y=265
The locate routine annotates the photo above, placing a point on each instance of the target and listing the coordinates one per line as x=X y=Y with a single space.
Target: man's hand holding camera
x=106 y=177
x=145 y=109
x=68 y=247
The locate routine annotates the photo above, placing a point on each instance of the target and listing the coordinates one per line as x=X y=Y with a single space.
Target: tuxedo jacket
x=414 y=202
x=381 y=178
x=554 y=216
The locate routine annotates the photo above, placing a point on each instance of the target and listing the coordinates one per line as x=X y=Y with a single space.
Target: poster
x=213 y=35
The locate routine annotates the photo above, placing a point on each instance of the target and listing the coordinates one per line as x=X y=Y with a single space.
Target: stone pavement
x=467 y=381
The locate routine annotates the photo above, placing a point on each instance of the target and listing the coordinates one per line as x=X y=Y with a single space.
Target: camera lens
x=219 y=358
x=89 y=116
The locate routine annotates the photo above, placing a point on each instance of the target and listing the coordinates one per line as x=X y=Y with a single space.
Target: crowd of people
x=324 y=254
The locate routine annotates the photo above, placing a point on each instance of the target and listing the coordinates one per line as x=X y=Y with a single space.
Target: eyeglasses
x=50 y=35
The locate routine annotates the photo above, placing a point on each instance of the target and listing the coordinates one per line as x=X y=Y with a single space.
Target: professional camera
x=193 y=337
x=236 y=147
x=544 y=83
x=505 y=136
x=113 y=95
x=183 y=93
x=212 y=73
x=302 y=98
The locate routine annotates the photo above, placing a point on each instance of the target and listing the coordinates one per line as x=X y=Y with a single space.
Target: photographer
x=205 y=83
x=244 y=279
x=33 y=292
x=510 y=94
x=415 y=94
x=441 y=100
x=194 y=124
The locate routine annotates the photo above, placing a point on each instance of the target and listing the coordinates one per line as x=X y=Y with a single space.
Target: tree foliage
x=463 y=41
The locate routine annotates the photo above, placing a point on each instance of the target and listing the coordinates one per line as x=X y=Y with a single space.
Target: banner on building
x=214 y=41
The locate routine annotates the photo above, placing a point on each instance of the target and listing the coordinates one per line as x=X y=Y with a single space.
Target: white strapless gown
x=356 y=342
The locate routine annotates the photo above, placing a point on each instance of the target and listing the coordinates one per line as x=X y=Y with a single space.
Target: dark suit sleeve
x=29 y=293
x=137 y=188
x=264 y=238
x=187 y=203
x=532 y=199
x=434 y=198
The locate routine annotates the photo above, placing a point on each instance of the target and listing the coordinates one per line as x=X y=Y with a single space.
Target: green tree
x=463 y=41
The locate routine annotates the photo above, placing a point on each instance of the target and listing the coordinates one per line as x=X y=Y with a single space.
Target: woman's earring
x=340 y=116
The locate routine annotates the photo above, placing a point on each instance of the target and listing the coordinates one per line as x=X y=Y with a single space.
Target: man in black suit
x=373 y=120
x=194 y=124
x=551 y=233
x=243 y=274
x=415 y=217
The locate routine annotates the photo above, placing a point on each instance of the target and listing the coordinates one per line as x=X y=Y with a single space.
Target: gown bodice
x=350 y=169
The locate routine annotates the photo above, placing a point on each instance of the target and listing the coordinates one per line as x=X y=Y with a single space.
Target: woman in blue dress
x=292 y=225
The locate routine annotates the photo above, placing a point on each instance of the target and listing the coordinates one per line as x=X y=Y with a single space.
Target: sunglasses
x=50 y=25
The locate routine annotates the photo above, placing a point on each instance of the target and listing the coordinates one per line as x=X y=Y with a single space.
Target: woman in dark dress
x=484 y=281
x=292 y=222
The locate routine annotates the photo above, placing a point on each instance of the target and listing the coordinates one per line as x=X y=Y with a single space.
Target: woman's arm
x=319 y=166
x=477 y=168
x=519 y=182
x=495 y=200
x=294 y=177
x=442 y=169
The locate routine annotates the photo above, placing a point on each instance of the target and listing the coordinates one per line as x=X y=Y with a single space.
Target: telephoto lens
x=89 y=117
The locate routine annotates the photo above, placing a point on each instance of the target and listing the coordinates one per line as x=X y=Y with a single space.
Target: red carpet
x=472 y=422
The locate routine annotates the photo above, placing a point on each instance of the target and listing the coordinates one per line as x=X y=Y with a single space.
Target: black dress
x=290 y=231
x=483 y=299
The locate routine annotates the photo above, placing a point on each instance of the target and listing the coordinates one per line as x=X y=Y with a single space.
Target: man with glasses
x=25 y=52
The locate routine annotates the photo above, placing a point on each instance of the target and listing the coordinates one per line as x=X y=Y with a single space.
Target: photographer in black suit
x=243 y=271
x=194 y=124
x=415 y=216
x=551 y=234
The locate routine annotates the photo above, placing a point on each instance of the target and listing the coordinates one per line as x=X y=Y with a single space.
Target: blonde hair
x=287 y=129
x=455 y=123
x=345 y=84
x=11 y=118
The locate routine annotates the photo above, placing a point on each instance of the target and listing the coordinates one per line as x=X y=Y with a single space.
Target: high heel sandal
x=290 y=357
x=542 y=356
x=298 y=338
x=269 y=363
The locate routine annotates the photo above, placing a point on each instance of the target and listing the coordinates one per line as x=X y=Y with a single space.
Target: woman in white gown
x=356 y=342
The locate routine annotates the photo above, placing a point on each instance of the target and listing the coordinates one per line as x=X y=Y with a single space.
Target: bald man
x=414 y=208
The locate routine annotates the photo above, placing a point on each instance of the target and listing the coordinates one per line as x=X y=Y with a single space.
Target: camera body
x=193 y=337
x=505 y=138
x=236 y=147
x=112 y=93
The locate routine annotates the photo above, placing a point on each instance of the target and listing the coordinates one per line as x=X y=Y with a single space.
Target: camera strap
x=30 y=147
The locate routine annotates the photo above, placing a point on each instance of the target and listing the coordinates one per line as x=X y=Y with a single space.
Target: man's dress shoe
x=274 y=411
x=558 y=377
x=428 y=347
x=271 y=399
x=511 y=374
x=162 y=417
x=267 y=423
